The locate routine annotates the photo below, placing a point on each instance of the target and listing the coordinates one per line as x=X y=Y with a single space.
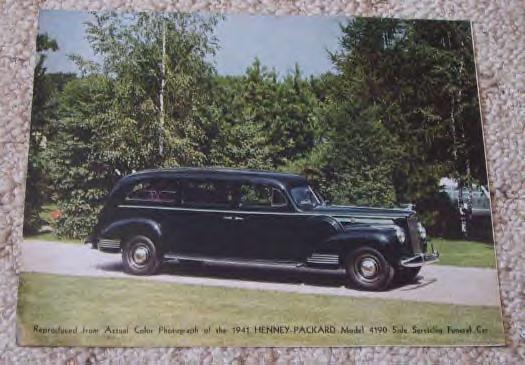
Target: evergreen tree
x=417 y=79
x=260 y=121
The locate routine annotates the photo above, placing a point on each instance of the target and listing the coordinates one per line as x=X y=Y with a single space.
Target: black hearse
x=255 y=217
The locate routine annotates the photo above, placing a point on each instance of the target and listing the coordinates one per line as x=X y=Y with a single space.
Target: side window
x=260 y=196
x=155 y=191
x=206 y=194
x=278 y=199
x=142 y=191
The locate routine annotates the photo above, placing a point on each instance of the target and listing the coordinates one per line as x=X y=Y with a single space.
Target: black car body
x=258 y=217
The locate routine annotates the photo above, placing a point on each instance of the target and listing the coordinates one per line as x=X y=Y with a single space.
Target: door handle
x=239 y=219
x=227 y=217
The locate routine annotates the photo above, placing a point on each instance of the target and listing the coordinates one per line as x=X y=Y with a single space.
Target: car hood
x=362 y=212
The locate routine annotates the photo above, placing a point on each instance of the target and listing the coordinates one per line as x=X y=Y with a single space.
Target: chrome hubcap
x=368 y=267
x=140 y=255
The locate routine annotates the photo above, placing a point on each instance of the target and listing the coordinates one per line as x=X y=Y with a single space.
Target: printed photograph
x=199 y=179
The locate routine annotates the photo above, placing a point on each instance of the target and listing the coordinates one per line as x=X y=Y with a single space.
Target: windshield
x=305 y=197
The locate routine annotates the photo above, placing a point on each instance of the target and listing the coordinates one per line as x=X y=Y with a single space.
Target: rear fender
x=125 y=228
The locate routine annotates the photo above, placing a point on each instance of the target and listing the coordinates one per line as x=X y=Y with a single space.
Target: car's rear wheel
x=140 y=256
x=367 y=268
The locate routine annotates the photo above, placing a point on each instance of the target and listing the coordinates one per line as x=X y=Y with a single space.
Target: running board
x=231 y=261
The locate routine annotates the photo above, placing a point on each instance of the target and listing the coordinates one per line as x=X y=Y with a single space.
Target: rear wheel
x=367 y=268
x=140 y=256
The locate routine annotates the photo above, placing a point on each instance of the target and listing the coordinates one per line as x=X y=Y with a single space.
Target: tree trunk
x=161 y=93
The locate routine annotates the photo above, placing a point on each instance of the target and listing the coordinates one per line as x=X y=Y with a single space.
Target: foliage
x=258 y=121
x=42 y=113
x=113 y=120
x=399 y=112
x=421 y=75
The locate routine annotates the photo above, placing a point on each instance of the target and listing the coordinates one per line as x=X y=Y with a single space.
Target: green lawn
x=465 y=253
x=51 y=301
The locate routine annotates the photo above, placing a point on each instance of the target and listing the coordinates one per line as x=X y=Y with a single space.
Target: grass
x=465 y=253
x=52 y=300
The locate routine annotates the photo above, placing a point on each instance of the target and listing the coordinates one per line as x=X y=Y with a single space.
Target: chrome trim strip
x=109 y=244
x=323 y=262
x=319 y=258
x=232 y=261
x=335 y=216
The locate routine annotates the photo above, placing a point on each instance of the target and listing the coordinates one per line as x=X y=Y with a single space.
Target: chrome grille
x=413 y=232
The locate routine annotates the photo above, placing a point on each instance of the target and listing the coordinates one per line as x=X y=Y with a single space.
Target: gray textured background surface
x=499 y=34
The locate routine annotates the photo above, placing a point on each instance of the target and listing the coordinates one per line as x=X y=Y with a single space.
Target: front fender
x=383 y=239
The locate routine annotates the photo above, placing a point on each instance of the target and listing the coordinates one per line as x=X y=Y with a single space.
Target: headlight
x=422 y=231
x=400 y=233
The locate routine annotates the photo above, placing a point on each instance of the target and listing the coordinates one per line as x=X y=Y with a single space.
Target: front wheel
x=140 y=256
x=367 y=268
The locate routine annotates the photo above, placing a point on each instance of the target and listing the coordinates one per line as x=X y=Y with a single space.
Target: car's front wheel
x=367 y=268
x=140 y=256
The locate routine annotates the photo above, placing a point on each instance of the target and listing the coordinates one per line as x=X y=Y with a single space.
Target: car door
x=202 y=223
x=265 y=223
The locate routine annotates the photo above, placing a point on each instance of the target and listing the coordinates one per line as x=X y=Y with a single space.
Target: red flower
x=56 y=214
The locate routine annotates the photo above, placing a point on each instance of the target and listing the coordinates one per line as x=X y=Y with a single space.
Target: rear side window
x=206 y=194
x=155 y=191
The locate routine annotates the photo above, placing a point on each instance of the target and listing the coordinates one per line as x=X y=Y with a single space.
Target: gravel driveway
x=436 y=284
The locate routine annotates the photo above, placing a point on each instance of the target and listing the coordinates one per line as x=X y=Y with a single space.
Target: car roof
x=219 y=172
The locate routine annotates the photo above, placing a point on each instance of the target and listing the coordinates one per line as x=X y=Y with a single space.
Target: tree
x=42 y=112
x=259 y=120
x=417 y=80
x=353 y=159
x=153 y=58
x=137 y=109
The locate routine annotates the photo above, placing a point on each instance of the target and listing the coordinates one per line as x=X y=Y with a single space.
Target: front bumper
x=420 y=259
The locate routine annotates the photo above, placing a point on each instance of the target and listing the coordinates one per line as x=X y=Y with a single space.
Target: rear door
x=203 y=224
